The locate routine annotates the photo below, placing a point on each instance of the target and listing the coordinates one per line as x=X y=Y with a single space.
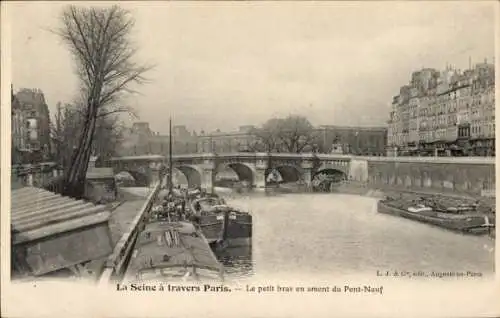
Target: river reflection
x=336 y=234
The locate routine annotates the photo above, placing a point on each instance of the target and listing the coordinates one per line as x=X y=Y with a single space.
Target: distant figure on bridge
x=183 y=206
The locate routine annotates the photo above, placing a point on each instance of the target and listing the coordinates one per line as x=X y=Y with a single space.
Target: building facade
x=447 y=113
x=366 y=141
x=338 y=139
x=141 y=140
x=31 y=139
x=18 y=135
x=237 y=141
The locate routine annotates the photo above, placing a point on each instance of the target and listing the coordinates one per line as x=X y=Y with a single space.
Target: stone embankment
x=357 y=188
x=363 y=189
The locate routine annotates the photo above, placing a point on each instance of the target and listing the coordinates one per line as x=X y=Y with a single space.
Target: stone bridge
x=201 y=169
x=460 y=174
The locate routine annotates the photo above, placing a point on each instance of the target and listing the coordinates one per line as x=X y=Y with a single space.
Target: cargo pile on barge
x=454 y=214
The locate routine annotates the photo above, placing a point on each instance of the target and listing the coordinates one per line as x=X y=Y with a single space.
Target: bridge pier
x=307 y=173
x=260 y=179
x=207 y=179
x=307 y=178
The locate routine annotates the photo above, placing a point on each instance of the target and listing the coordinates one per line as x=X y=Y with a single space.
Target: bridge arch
x=331 y=173
x=323 y=179
x=243 y=171
x=193 y=174
x=141 y=179
x=178 y=178
x=287 y=173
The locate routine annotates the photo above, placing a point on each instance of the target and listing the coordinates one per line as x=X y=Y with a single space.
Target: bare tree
x=267 y=136
x=296 y=133
x=290 y=134
x=68 y=126
x=65 y=133
x=99 y=41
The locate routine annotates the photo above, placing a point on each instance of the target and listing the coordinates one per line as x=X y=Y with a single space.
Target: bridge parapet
x=304 y=156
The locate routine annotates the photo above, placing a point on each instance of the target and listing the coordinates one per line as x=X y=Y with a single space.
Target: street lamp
x=357 y=142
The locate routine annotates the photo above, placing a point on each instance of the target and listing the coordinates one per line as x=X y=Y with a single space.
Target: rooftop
x=100 y=173
x=38 y=213
x=361 y=128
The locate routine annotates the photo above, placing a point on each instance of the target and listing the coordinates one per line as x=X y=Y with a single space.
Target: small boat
x=465 y=221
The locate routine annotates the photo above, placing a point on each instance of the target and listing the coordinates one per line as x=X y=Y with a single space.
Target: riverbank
x=363 y=189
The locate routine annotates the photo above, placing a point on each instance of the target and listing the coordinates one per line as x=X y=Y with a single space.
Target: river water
x=337 y=234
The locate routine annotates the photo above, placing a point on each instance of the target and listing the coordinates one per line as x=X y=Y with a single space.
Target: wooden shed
x=51 y=233
x=100 y=185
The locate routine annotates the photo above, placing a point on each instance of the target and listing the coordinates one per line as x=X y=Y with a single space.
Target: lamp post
x=357 y=142
x=170 y=163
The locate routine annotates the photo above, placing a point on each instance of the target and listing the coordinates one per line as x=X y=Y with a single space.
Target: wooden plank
x=21 y=191
x=37 y=206
x=30 y=225
x=30 y=201
x=47 y=210
x=29 y=193
x=20 y=204
x=53 y=229
x=70 y=212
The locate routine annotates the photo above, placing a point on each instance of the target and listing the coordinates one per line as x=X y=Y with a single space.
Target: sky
x=220 y=65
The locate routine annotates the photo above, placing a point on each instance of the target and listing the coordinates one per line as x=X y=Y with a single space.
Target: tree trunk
x=75 y=179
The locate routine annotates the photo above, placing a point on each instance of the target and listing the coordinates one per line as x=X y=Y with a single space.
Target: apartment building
x=30 y=126
x=447 y=113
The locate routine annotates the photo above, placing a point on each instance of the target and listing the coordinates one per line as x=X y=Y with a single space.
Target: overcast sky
x=221 y=65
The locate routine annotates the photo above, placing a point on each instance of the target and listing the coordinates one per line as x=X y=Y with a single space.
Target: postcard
x=249 y=159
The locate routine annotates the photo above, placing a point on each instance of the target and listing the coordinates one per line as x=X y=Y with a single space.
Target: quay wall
x=474 y=178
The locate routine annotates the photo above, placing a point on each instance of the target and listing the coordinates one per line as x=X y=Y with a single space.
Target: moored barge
x=461 y=219
x=172 y=252
x=222 y=223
